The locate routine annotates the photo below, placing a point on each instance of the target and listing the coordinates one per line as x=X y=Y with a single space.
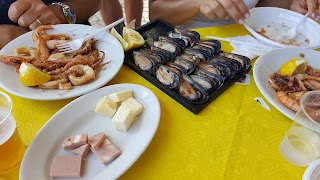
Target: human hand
x=304 y=6
x=31 y=14
x=236 y=9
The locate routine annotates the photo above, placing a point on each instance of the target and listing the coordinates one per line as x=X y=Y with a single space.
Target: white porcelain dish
x=9 y=78
x=79 y=117
x=270 y=63
x=276 y=21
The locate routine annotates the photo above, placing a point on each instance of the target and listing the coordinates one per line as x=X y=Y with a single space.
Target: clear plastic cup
x=11 y=146
x=301 y=144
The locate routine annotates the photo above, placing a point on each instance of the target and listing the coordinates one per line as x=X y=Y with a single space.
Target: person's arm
x=110 y=11
x=133 y=10
x=275 y=3
x=304 y=6
x=84 y=9
x=178 y=11
x=10 y=32
x=173 y=11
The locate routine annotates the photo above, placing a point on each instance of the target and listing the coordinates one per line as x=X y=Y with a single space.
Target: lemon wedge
x=123 y=43
x=294 y=66
x=133 y=38
x=31 y=76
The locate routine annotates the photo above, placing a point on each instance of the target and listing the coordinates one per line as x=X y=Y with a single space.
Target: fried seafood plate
x=290 y=89
x=65 y=70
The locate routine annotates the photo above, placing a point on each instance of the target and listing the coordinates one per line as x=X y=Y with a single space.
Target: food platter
x=151 y=33
x=48 y=142
x=269 y=63
x=9 y=78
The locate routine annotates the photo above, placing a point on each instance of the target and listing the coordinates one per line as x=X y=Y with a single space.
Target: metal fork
x=76 y=44
x=293 y=31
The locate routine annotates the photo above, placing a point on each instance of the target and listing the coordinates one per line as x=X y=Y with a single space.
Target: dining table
x=234 y=137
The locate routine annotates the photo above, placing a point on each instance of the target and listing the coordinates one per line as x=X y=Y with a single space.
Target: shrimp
x=42 y=50
x=81 y=75
x=53 y=84
x=14 y=59
x=287 y=101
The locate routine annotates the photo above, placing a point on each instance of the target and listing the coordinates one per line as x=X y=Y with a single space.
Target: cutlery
x=77 y=43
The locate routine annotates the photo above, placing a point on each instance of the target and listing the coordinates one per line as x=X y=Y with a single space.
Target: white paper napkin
x=249 y=51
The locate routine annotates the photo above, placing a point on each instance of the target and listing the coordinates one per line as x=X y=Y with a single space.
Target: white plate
x=9 y=78
x=79 y=117
x=278 y=20
x=270 y=63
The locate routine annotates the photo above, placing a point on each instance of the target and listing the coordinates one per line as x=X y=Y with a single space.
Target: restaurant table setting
x=243 y=132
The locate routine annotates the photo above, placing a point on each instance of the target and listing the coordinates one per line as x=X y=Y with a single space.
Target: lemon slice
x=294 y=66
x=31 y=76
x=123 y=43
x=133 y=38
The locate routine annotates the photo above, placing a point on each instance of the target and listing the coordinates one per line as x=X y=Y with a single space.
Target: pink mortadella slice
x=106 y=152
x=66 y=167
x=97 y=139
x=75 y=141
x=82 y=150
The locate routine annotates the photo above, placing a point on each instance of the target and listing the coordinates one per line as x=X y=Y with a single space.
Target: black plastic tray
x=150 y=32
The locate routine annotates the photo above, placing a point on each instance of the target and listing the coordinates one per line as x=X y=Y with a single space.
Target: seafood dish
x=191 y=70
x=290 y=89
x=65 y=70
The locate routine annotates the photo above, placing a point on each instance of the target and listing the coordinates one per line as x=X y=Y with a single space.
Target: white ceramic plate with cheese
x=9 y=78
x=79 y=117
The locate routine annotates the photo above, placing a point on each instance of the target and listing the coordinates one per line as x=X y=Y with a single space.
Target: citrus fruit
x=294 y=66
x=133 y=37
x=31 y=76
x=123 y=43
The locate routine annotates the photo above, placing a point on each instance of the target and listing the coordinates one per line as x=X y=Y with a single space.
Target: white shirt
x=201 y=20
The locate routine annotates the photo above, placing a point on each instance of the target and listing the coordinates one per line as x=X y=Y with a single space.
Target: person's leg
x=110 y=11
x=133 y=10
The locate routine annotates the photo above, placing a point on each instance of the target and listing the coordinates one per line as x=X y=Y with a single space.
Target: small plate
x=270 y=63
x=9 y=78
x=79 y=117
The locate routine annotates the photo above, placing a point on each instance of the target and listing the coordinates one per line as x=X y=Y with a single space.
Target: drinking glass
x=301 y=144
x=11 y=146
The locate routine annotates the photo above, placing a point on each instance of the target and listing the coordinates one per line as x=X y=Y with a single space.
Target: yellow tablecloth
x=232 y=138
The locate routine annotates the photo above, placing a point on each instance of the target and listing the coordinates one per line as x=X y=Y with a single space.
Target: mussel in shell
x=213 y=77
x=245 y=61
x=191 y=90
x=167 y=77
x=159 y=56
x=171 y=47
x=192 y=58
x=189 y=66
x=175 y=67
x=143 y=62
x=179 y=42
x=203 y=55
x=205 y=82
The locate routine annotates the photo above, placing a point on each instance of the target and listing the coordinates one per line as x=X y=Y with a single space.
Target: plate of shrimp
x=73 y=74
x=285 y=92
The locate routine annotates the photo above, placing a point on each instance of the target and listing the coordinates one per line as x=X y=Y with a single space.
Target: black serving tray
x=150 y=32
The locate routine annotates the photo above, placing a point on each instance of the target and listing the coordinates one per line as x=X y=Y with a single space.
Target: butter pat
x=120 y=96
x=123 y=118
x=106 y=107
x=134 y=105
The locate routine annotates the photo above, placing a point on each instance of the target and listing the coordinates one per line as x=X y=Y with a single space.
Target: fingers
x=312 y=8
x=26 y=13
x=223 y=9
x=235 y=8
x=16 y=9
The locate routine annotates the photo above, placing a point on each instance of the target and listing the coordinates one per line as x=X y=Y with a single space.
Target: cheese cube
x=106 y=107
x=134 y=105
x=123 y=118
x=120 y=96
